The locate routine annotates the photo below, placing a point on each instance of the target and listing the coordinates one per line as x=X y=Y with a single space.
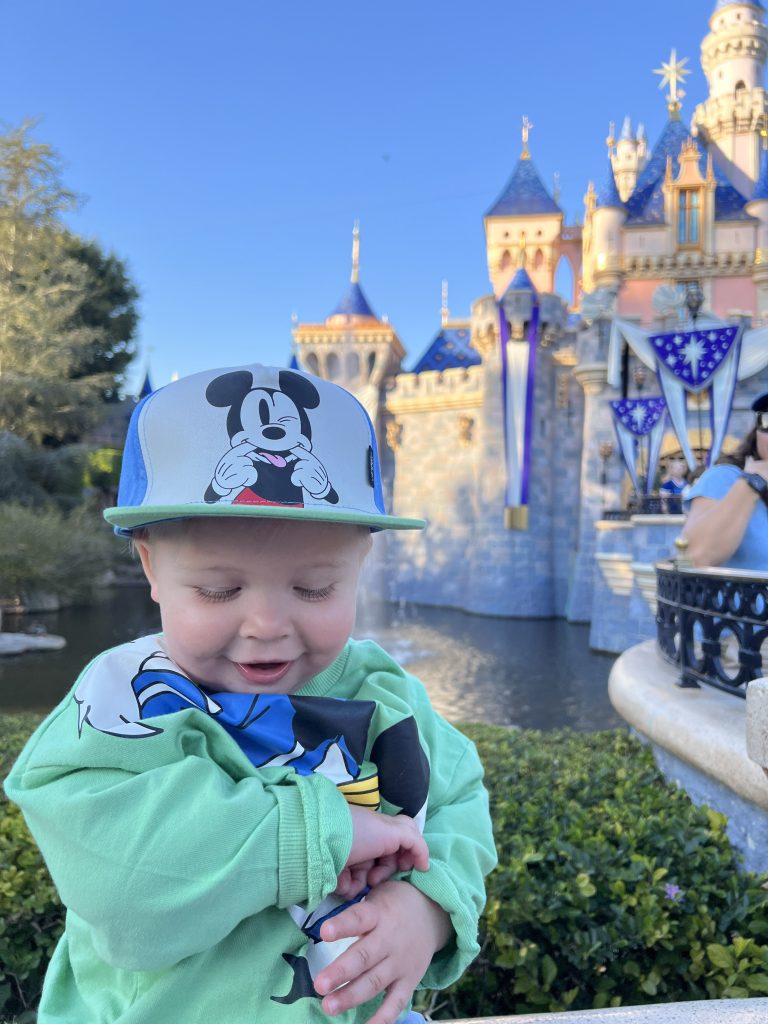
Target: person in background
x=673 y=484
x=727 y=507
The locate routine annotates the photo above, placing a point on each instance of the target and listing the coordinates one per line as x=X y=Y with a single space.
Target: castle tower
x=607 y=221
x=629 y=159
x=526 y=220
x=758 y=207
x=733 y=56
x=353 y=347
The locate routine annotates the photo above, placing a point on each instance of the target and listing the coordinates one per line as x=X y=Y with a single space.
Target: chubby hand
x=398 y=932
x=382 y=844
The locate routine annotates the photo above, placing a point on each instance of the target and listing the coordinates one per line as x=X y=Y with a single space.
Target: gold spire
x=444 y=312
x=525 y=155
x=611 y=140
x=557 y=187
x=356 y=252
x=673 y=73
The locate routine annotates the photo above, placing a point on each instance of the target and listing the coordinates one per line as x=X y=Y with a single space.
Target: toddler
x=249 y=816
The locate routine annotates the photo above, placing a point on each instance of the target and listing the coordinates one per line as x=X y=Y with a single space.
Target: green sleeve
x=461 y=851
x=164 y=863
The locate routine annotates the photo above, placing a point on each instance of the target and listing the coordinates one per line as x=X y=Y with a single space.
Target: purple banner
x=639 y=415
x=694 y=356
x=533 y=329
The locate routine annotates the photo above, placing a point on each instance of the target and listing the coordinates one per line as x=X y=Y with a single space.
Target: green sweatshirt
x=178 y=855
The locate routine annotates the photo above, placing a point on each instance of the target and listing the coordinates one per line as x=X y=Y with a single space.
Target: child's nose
x=264 y=620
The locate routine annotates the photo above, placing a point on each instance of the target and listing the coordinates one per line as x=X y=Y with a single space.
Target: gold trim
x=516 y=517
x=433 y=403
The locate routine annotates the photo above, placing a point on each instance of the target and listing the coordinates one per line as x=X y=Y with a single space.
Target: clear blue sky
x=225 y=149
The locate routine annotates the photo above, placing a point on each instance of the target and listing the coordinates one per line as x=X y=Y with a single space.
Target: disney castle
x=517 y=427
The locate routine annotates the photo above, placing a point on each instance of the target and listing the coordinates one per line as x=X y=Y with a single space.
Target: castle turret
x=607 y=222
x=758 y=207
x=353 y=347
x=628 y=160
x=524 y=218
x=733 y=56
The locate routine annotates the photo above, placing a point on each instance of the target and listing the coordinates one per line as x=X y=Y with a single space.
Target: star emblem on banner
x=694 y=356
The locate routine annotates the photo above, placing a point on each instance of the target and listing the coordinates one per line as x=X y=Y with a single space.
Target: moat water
x=537 y=674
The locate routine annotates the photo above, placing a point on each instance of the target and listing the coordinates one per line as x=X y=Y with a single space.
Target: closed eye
x=217 y=595
x=314 y=594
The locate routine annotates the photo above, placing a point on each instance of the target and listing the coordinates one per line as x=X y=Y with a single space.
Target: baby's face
x=255 y=606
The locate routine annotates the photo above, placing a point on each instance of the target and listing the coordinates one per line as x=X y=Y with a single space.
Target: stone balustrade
x=716 y=1011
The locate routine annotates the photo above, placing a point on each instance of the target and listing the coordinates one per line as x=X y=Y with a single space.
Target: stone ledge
x=716 y=1011
x=705 y=728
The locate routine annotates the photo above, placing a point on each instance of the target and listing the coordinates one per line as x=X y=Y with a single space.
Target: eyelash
x=307 y=594
x=217 y=595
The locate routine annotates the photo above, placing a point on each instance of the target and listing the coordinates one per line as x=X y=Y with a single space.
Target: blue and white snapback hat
x=251 y=441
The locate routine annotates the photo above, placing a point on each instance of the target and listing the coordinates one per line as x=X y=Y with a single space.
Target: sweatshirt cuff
x=314 y=840
x=449 y=963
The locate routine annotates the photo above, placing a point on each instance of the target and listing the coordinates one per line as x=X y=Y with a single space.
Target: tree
x=60 y=337
x=108 y=308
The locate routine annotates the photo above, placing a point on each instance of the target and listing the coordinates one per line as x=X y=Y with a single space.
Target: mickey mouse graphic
x=270 y=461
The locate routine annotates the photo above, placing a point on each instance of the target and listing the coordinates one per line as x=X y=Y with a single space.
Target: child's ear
x=145 y=554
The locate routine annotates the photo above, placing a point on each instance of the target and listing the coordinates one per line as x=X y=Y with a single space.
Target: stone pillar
x=597 y=426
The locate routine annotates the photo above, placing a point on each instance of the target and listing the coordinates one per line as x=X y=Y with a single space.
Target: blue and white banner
x=518 y=367
x=634 y=420
x=692 y=362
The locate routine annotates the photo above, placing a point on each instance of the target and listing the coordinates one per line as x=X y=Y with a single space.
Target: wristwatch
x=758 y=483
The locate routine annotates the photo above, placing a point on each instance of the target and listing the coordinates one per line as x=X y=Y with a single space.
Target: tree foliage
x=67 y=312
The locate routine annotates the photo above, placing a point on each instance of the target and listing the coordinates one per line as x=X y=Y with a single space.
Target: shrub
x=612 y=888
x=47 y=550
x=31 y=917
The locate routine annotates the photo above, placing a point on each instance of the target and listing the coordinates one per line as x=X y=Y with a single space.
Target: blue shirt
x=752 y=553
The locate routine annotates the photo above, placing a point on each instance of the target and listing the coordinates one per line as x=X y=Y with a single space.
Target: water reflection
x=529 y=673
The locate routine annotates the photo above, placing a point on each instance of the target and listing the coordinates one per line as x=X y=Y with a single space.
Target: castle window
x=739 y=90
x=311 y=364
x=689 y=216
x=332 y=366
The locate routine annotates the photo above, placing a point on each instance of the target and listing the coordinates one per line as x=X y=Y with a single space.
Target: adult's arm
x=715 y=527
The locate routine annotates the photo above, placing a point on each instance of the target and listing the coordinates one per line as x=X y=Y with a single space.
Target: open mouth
x=263 y=673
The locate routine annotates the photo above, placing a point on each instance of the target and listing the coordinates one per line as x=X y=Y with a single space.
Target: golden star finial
x=673 y=73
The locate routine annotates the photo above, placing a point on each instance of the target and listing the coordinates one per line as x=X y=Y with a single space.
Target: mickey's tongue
x=276 y=460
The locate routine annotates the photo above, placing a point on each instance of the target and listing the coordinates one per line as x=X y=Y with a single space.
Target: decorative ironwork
x=713 y=623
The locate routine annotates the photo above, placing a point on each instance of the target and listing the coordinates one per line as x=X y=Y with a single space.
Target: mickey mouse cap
x=251 y=441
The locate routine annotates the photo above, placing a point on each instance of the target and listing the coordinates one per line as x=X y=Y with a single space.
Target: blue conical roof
x=523 y=194
x=521 y=282
x=609 y=194
x=146 y=387
x=354 y=303
x=646 y=204
x=761 y=188
x=449 y=349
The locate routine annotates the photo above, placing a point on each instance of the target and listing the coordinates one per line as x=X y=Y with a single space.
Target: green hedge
x=612 y=888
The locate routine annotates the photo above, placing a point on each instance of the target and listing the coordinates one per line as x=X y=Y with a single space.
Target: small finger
x=360 y=989
x=396 y=1000
x=356 y=920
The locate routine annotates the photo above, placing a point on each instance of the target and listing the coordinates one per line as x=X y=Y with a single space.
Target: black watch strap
x=758 y=484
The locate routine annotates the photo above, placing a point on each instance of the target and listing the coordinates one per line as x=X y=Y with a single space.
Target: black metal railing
x=713 y=624
x=646 y=505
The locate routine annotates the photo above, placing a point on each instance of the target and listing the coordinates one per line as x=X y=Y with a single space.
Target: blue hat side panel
x=133 y=474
